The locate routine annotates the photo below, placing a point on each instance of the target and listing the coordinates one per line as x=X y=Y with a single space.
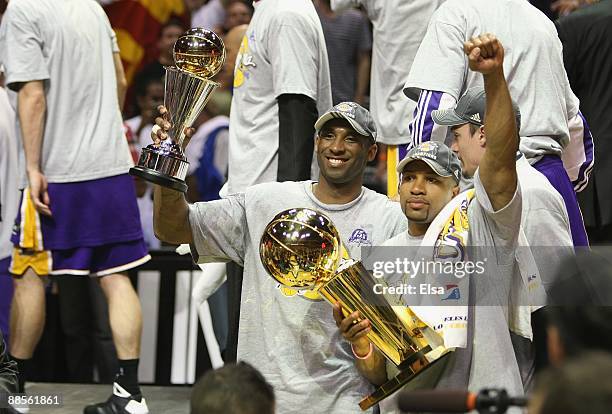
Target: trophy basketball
x=301 y=248
x=199 y=55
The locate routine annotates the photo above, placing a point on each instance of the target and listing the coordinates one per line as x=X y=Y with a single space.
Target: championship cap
x=438 y=156
x=356 y=115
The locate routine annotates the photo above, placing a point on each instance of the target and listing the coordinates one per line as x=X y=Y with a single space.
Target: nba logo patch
x=360 y=237
x=453 y=292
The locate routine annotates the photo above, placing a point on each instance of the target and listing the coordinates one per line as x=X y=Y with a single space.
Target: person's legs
x=125 y=317
x=124 y=314
x=27 y=320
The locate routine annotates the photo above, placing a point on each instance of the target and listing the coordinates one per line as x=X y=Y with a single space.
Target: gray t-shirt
x=489 y=359
x=9 y=184
x=282 y=52
x=399 y=27
x=533 y=65
x=292 y=340
x=83 y=136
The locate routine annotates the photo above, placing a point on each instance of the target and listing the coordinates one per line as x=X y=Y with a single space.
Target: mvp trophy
x=198 y=56
x=301 y=248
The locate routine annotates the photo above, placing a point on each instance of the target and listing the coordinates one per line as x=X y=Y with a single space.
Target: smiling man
x=290 y=336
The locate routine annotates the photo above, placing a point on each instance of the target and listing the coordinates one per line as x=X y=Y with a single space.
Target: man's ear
x=372 y=152
x=482 y=138
x=316 y=145
x=455 y=191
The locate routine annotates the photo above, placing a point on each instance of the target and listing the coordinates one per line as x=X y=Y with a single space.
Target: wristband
x=366 y=356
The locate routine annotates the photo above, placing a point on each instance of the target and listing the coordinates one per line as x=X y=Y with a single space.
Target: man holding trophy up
x=429 y=185
x=290 y=334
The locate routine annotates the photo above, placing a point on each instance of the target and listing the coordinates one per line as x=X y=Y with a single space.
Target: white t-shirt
x=9 y=182
x=69 y=44
x=399 y=27
x=533 y=65
x=291 y=340
x=282 y=52
x=489 y=360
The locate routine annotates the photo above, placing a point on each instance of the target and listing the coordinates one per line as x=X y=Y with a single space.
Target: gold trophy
x=301 y=248
x=199 y=55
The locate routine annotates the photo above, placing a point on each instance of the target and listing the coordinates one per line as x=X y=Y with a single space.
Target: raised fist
x=485 y=53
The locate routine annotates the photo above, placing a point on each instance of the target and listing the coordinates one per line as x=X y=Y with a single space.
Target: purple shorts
x=6 y=296
x=552 y=167
x=95 y=230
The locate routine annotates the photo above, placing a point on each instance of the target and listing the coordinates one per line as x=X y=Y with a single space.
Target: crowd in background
x=362 y=68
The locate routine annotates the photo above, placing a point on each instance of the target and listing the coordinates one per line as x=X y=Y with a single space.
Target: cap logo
x=476 y=118
x=346 y=108
x=427 y=149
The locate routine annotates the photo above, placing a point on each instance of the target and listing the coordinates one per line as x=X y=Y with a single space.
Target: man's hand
x=354 y=330
x=485 y=53
x=162 y=126
x=38 y=192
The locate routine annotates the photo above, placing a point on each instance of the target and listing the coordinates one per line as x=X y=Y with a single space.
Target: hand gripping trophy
x=301 y=248
x=199 y=55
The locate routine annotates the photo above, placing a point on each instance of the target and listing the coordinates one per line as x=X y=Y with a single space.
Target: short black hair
x=581 y=385
x=233 y=389
x=150 y=74
x=174 y=21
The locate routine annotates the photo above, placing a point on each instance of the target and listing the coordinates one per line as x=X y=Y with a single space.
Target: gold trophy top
x=199 y=52
x=300 y=248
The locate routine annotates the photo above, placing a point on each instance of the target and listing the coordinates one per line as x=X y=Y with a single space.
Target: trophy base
x=395 y=383
x=157 y=178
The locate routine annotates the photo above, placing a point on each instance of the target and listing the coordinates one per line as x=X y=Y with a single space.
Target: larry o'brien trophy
x=199 y=55
x=301 y=249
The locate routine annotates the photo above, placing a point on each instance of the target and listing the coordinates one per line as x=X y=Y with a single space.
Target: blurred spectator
x=586 y=35
x=207 y=150
x=238 y=12
x=233 y=389
x=565 y=7
x=149 y=89
x=582 y=385
x=168 y=35
x=207 y=14
x=232 y=41
x=349 y=44
x=579 y=321
x=9 y=201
